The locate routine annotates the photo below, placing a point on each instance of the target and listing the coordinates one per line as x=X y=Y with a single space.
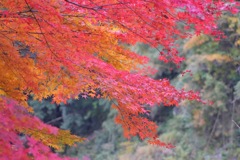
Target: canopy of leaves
x=64 y=48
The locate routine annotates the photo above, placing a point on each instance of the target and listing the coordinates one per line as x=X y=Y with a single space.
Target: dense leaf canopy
x=67 y=48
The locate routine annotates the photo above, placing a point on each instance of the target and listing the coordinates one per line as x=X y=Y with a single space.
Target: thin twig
x=40 y=27
x=236 y=123
x=213 y=129
x=54 y=120
x=117 y=22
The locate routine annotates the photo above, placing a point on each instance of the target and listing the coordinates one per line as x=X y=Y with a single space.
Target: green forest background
x=199 y=132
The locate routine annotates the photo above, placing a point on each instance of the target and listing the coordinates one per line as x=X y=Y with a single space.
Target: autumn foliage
x=66 y=48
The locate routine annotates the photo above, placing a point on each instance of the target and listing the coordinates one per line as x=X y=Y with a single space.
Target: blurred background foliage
x=199 y=132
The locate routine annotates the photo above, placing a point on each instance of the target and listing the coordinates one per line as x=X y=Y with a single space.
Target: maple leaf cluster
x=16 y=120
x=67 y=48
